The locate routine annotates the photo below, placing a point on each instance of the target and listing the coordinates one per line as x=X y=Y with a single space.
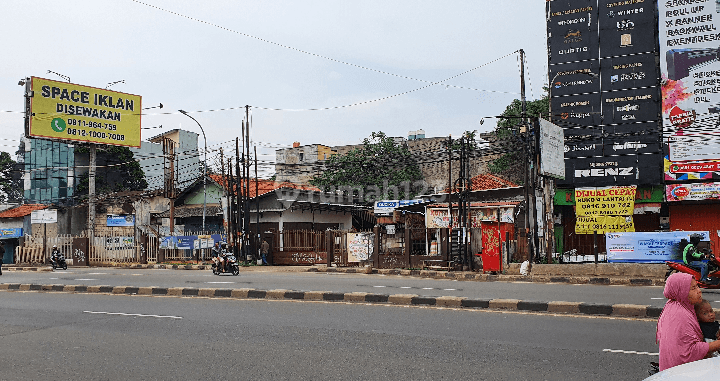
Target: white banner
x=552 y=150
x=647 y=247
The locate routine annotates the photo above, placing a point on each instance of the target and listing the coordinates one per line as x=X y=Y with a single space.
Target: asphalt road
x=51 y=336
x=342 y=282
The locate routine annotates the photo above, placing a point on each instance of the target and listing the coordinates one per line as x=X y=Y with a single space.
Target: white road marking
x=96 y=273
x=54 y=278
x=630 y=352
x=378 y=286
x=657 y=298
x=427 y=288
x=449 y=289
x=405 y=287
x=219 y=282
x=85 y=279
x=136 y=315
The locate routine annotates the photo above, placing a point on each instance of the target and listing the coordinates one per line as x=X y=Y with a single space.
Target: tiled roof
x=488 y=181
x=22 y=210
x=265 y=186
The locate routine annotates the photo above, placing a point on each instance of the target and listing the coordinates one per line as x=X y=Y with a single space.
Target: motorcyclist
x=55 y=255
x=217 y=254
x=693 y=258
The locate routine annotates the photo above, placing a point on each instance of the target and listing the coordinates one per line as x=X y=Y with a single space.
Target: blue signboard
x=121 y=220
x=647 y=247
x=186 y=242
x=11 y=233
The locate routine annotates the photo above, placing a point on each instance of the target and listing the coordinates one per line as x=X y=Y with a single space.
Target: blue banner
x=188 y=241
x=647 y=247
x=11 y=233
x=120 y=220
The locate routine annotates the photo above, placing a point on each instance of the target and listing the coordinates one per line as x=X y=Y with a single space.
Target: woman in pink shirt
x=678 y=332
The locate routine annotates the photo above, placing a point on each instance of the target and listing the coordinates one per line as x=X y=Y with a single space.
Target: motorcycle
x=713 y=271
x=231 y=266
x=58 y=261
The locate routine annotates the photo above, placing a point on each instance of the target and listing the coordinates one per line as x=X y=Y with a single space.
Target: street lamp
x=204 y=167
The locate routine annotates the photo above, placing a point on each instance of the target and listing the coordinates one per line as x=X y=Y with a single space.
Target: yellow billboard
x=61 y=110
x=606 y=201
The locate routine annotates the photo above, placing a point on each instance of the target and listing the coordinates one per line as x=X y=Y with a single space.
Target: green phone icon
x=58 y=125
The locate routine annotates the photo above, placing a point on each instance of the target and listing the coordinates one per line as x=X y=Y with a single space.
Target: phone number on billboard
x=95 y=134
x=83 y=123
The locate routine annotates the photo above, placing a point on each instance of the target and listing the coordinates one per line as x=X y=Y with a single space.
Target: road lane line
x=85 y=279
x=219 y=282
x=630 y=352
x=134 y=315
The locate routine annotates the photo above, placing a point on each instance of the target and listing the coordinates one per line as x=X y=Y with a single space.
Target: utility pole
x=257 y=205
x=529 y=201
x=169 y=154
x=238 y=190
x=91 y=197
x=246 y=225
x=232 y=236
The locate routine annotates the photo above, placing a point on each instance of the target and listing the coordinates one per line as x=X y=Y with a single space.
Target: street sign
x=43 y=216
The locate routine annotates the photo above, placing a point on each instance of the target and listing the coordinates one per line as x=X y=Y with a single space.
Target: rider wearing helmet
x=692 y=257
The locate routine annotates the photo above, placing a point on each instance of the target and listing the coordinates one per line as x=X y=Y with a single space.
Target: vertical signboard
x=552 y=161
x=689 y=40
x=607 y=99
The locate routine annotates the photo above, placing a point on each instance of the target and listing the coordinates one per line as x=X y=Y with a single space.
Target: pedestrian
x=678 y=331
x=264 y=250
x=706 y=318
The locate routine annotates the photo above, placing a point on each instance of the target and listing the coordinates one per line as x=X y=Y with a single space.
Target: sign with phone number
x=67 y=111
x=604 y=224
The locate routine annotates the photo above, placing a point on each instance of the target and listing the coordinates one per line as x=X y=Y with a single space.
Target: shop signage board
x=647 y=247
x=693 y=192
x=605 y=90
x=67 y=111
x=690 y=72
x=606 y=209
x=121 y=220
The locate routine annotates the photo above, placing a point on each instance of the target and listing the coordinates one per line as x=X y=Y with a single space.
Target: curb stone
x=556 y=307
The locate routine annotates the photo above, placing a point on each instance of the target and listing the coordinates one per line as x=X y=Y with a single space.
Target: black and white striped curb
x=620 y=310
x=453 y=275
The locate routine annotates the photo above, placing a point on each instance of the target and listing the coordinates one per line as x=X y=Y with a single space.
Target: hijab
x=678 y=331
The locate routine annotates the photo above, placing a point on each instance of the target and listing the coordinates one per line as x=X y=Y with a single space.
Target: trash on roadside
x=524 y=267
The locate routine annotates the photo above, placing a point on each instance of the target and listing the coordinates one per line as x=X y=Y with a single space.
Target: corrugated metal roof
x=264 y=186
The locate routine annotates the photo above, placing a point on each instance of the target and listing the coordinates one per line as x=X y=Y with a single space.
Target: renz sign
x=605 y=90
x=65 y=111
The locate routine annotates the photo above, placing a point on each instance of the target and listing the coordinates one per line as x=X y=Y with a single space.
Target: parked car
x=707 y=369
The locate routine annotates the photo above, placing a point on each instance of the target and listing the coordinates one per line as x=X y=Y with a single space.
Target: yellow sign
x=604 y=224
x=608 y=201
x=67 y=111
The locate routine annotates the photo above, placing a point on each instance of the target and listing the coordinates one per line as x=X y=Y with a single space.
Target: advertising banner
x=43 y=216
x=11 y=233
x=647 y=247
x=603 y=224
x=607 y=201
x=690 y=71
x=67 y=111
x=360 y=246
x=120 y=220
x=552 y=160
x=693 y=192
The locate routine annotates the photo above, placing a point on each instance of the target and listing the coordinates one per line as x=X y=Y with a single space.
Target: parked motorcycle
x=58 y=260
x=231 y=266
x=713 y=273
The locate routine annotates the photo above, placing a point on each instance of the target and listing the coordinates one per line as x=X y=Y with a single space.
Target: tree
x=379 y=169
x=120 y=172
x=510 y=142
x=11 y=187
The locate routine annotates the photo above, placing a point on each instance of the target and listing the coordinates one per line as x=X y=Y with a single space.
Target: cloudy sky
x=314 y=71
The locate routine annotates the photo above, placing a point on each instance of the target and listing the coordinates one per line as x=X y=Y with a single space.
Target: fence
x=37 y=249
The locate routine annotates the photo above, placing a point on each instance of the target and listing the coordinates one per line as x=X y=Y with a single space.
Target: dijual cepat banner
x=605 y=201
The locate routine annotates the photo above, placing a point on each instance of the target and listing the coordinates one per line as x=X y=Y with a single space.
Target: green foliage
x=11 y=187
x=510 y=139
x=121 y=172
x=379 y=169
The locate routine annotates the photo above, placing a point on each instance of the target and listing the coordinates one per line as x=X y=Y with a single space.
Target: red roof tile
x=487 y=181
x=21 y=211
x=264 y=186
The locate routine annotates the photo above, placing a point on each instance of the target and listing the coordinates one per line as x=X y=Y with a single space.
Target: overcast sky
x=288 y=55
